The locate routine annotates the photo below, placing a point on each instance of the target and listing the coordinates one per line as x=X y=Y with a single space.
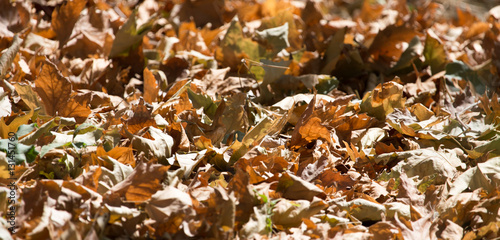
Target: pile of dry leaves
x=215 y=119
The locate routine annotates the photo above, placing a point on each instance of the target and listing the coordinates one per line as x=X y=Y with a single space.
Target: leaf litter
x=250 y=119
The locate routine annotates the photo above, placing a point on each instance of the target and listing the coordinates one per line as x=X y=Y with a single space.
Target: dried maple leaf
x=65 y=17
x=53 y=88
x=141 y=117
x=140 y=185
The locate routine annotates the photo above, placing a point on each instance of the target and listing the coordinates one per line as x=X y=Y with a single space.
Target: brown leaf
x=79 y=110
x=123 y=155
x=296 y=136
x=313 y=129
x=28 y=95
x=383 y=100
x=242 y=190
x=171 y=208
x=295 y=188
x=384 y=230
x=139 y=186
x=65 y=17
x=53 y=88
x=14 y=17
x=384 y=48
x=417 y=229
x=141 y=118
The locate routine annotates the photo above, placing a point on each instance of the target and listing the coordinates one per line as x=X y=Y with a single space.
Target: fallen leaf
x=143 y=182
x=150 y=87
x=383 y=100
x=65 y=17
x=288 y=213
x=294 y=188
x=434 y=52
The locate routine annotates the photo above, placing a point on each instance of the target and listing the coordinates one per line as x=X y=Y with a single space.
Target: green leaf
x=333 y=51
x=203 y=100
x=410 y=55
x=85 y=128
x=47 y=175
x=326 y=84
x=22 y=153
x=128 y=36
x=45 y=149
x=460 y=70
x=235 y=47
x=434 y=53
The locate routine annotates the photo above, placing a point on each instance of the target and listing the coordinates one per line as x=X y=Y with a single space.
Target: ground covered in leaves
x=272 y=119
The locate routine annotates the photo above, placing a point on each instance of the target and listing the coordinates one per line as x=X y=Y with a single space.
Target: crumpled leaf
x=28 y=95
x=129 y=35
x=203 y=101
x=9 y=55
x=65 y=17
x=288 y=213
x=144 y=181
x=235 y=47
x=418 y=229
x=257 y=225
x=173 y=208
x=113 y=173
x=160 y=147
x=295 y=188
x=276 y=37
x=459 y=70
x=423 y=162
x=167 y=202
x=484 y=175
x=14 y=125
x=362 y=209
x=383 y=100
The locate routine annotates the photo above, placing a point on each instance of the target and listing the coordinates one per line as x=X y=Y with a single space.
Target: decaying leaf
x=217 y=119
x=65 y=17
x=383 y=100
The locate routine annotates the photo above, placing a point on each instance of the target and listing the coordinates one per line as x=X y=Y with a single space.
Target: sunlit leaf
x=9 y=55
x=434 y=52
x=129 y=35
x=65 y=17
x=383 y=100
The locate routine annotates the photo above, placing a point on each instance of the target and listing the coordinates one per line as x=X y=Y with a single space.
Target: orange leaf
x=142 y=183
x=53 y=88
x=142 y=118
x=150 y=87
x=65 y=17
